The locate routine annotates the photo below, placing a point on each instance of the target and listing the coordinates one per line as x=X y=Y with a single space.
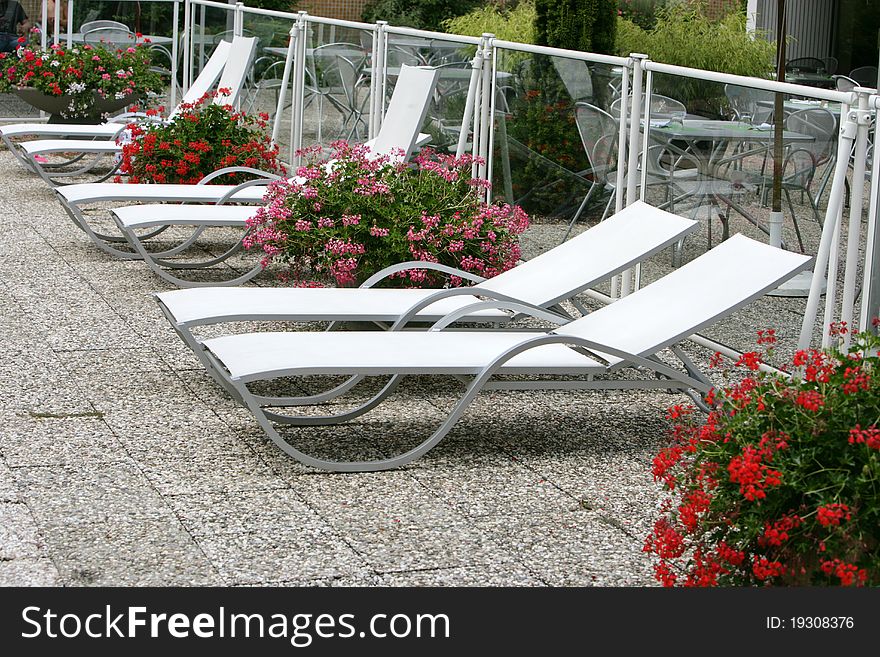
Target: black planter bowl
x=57 y=105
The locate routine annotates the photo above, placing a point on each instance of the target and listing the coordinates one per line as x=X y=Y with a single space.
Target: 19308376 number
x=821 y=622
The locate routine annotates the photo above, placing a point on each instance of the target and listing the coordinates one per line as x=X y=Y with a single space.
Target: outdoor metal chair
x=102 y=24
x=866 y=76
x=806 y=64
x=625 y=336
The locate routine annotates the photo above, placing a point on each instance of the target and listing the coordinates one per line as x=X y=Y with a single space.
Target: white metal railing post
x=485 y=104
x=635 y=113
x=56 y=27
x=492 y=65
x=848 y=130
x=187 y=45
x=374 y=83
x=175 y=33
x=296 y=111
x=621 y=140
x=69 y=22
x=285 y=82
x=871 y=275
x=44 y=26
x=632 y=168
x=862 y=117
x=470 y=101
x=238 y=20
x=377 y=104
x=202 y=12
x=477 y=124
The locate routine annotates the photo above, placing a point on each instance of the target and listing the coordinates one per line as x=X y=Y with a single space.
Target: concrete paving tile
x=29 y=572
x=61 y=441
x=489 y=574
x=89 y=493
x=19 y=537
x=573 y=549
x=310 y=553
x=211 y=474
x=143 y=552
x=242 y=512
x=490 y=487
x=116 y=361
x=190 y=433
x=8 y=485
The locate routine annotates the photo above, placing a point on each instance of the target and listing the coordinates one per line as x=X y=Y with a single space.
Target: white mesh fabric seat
x=627 y=333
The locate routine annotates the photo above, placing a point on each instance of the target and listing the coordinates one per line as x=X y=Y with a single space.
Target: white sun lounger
x=628 y=333
x=630 y=236
x=400 y=130
x=109 y=130
x=238 y=63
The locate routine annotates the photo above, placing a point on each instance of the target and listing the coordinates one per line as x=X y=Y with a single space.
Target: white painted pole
x=476 y=73
x=844 y=148
x=869 y=294
x=175 y=32
x=285 y=83
x=847 y=312
x=485 y=104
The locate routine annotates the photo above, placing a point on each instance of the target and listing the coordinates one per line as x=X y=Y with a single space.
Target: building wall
x=349 y=10
x=809 y=23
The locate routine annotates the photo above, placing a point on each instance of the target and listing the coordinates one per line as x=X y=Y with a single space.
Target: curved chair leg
x=157 y=265
x=321 y=420
x=363 y=466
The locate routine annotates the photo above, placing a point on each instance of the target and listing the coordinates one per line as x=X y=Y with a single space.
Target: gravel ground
x=121 y=463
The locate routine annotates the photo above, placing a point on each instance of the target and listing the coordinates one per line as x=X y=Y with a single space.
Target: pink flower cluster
x=346 y=216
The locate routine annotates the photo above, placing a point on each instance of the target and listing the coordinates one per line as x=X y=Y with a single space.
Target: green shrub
x=420 y=14
x=515 y=23
x=684 y=36
x=587 y=25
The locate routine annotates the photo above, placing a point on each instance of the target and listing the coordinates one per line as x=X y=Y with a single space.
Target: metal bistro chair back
x=806 y=65
x=662 y=107
x=744 y=103
x=866 y=76
x=113 y=36
x=831 y=65
x=844 y=83
x=101 y=24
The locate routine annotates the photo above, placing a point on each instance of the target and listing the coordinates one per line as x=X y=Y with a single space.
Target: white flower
x=55 y=63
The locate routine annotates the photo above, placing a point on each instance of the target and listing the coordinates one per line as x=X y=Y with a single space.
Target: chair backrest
x=406 y=110
x=238 y=65
x=831 y=65
x=820 y=124
x=96 y=25
x=662 y=107
x=598 y=131
x=866 y=76
x=806 y=64
x=209 y=74
x=844 y=83
x=694 y=296
x=575 y=76
x=114 y=36
x=611 y=246
x=744 y=103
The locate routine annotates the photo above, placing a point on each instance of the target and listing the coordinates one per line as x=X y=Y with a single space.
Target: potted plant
x=780 y=484
x=83 y=83
x=203 y=137
x=347 y=216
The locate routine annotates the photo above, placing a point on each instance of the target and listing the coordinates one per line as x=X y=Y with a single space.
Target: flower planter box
x=58 y=105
